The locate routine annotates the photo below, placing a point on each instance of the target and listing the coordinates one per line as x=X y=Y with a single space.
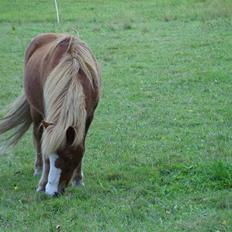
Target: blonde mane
x=64 y=99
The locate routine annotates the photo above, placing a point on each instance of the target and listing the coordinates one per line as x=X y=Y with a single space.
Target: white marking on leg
x=82 y=179
x=78 y=178
x=53 y=176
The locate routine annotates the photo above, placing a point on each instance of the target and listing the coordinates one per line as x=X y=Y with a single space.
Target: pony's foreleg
x=44 y=178
x=37 y=134
x=78 y=176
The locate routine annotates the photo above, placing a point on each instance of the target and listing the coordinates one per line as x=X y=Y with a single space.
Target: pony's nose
x=53 y=192
x=56 y=194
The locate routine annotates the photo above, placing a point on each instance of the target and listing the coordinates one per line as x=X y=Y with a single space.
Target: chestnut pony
x=61 y=84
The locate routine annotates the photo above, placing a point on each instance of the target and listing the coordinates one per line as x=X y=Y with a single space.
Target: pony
x=61 y=93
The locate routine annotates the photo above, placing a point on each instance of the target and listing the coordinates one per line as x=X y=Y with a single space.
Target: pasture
x=159 y=153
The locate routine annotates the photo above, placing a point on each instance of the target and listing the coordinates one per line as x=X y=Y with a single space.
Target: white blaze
x=53 y=176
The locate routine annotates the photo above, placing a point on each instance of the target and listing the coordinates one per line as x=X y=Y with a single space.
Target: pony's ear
x=70 y=135
x=46 y=124
x=64 y=44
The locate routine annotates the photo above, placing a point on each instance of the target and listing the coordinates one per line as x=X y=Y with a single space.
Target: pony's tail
x=17 y=121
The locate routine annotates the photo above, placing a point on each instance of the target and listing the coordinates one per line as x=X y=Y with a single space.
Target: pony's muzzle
x=52 y=190
x=57 y=194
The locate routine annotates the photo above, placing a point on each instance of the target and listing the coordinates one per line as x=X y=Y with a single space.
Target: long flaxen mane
x=64 y=99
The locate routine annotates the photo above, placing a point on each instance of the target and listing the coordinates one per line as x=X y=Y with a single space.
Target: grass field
x=159 y=153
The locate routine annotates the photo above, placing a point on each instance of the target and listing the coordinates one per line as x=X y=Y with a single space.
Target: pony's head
x=63 y=159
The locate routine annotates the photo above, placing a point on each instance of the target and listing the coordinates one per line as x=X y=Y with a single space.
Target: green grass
x=159 y=153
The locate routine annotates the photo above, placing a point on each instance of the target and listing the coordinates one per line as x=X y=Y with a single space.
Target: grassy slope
x=159 y=152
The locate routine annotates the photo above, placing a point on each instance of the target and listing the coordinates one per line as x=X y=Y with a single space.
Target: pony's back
x=58 y=68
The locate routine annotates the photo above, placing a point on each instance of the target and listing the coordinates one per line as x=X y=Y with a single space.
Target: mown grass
x=159 y=152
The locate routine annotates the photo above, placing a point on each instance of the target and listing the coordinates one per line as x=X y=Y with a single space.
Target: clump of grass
x=127 y=26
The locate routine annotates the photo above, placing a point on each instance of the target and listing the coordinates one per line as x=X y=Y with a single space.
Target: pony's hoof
x=78 y=183
x=37 y=172
x=40 y=189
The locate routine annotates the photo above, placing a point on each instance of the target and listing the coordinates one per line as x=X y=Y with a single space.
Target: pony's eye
x=60 y=163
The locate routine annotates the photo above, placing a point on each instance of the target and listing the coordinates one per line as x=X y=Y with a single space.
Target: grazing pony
x=61 y=84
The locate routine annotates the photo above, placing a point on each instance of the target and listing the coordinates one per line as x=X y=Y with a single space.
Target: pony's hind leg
x=78 y=177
